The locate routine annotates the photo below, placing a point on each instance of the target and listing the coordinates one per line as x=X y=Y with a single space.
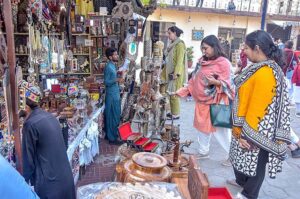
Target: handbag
x=220 y=115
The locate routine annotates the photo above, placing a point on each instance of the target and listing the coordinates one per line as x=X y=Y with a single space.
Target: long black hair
x=265 y=42
x=176 y=30
x=213 y=42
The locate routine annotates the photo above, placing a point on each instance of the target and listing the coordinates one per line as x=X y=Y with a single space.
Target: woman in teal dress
x=112 y=111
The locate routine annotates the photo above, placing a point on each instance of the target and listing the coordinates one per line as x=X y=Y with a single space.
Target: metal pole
x=264 y=14
x=12 y=80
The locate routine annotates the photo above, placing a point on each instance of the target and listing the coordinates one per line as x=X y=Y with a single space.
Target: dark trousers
x=251 y=185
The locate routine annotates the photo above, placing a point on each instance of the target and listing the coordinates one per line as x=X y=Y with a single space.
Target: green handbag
x=220 y=115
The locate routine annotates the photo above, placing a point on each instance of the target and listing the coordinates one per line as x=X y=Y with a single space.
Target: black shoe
x=296 y=153
x=169 y=115
x=174 y=117
x=116 y=142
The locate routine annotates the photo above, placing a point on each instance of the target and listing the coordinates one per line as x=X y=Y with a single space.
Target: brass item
x=146 y=167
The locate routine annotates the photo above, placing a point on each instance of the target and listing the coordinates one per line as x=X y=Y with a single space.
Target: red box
x=55 y=88
x=219 y=193
x=126 y=133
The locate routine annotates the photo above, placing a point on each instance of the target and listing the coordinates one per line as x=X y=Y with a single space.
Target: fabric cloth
x=243 y=60
x=205 y=95
x=176 y=63
x=290 y=60
x=261 y=115
x=12 y=184
x=45 y=161
x=294 y=137
x=251 y=185
x=296 y=76
x=290 y=86
x=297 y=107
x=84 y=7
x=222 y=135
x=112 y=111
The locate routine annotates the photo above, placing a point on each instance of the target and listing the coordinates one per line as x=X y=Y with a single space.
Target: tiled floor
x=103 y=168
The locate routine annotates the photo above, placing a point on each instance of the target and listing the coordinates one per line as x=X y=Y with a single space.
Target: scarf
x=203 y=93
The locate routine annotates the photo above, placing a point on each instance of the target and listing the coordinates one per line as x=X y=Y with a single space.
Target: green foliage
x=162 y=4
x=190 y=53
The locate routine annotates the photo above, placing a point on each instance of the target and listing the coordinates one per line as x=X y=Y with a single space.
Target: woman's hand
x=244 y=144
x=211 y=80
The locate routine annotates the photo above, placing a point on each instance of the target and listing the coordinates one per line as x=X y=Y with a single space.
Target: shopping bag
x=220 y=115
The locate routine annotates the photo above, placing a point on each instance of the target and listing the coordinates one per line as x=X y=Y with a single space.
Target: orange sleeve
x=262 y=94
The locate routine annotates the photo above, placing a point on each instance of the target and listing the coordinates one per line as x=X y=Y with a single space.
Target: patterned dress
x=261 y=116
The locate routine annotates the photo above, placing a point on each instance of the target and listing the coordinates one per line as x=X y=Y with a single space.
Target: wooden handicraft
x=197 y=181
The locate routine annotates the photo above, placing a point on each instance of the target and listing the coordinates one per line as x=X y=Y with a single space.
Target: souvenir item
x=123 y=10
x=146 y=167
x=136 y=191
x=74 y=65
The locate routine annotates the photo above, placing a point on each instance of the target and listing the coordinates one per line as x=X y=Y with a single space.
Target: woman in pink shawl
x=211 y=84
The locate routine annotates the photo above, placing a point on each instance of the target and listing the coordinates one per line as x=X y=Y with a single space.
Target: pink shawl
x=198 y=88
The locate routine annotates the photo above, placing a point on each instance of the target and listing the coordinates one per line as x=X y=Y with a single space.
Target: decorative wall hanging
x=197 y=35
x=144 y=7
x=122 y=10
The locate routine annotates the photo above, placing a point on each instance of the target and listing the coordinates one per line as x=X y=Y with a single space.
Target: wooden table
x=182 y=184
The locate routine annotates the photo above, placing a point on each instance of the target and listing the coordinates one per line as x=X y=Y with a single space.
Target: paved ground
x=103 y=167
x=285 y=186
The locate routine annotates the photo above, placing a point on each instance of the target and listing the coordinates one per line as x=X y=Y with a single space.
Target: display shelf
x=64 y=73
x=98 y=36
x=21 y=33
x=83 y=54
x=54 y=34
x=82 y=133
x=21 y=54
x=80 y=34
x=18 y=33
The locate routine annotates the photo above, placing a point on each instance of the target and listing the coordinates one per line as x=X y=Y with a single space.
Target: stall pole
x=264 y=14
x=12 y=80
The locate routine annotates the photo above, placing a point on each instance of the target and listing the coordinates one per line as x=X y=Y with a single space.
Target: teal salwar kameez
x=112 y=110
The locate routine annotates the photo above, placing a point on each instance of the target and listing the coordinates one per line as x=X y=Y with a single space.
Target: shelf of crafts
x=99 y=36
x=102 y=36
x=84 y=54
x=80 y=34
x=21 y=33
x=82 y=133
x=53 y=74
x=18 y=33
x=22 y=54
